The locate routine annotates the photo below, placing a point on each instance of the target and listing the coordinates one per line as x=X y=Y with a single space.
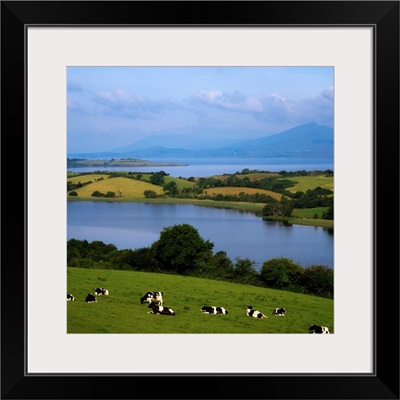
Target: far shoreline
x=122 y=162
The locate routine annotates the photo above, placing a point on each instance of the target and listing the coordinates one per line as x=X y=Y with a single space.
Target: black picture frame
x=383 y=383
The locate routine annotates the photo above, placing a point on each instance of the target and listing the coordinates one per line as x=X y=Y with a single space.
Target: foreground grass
x=122 y=312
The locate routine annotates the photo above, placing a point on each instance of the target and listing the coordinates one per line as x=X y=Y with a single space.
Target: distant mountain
x=309 y=140
x=305 y=141
x=176 y=141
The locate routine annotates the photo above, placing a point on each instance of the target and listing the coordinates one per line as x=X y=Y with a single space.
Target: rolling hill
x=305 y=141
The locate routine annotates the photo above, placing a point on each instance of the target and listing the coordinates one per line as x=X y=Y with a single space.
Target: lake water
x=201 y=167
x=239 y=234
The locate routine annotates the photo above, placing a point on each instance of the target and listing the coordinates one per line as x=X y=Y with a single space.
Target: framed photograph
x=67 y=63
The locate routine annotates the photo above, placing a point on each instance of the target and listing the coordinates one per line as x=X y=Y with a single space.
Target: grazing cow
x=254 y=313
x=101 y=292
x=153 y=296
x=90 y=298
x=213 y=310
x=70 y=297
x=319 y=329
x=279 y=312
x=160 y=310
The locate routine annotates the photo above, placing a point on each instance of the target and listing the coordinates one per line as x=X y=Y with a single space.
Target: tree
x=245 y=271
x=73 y=193
x=171 y=188
x=281 y=273
x=286 y=207
x=318 y=279
x=329 y=213
x=181 y=248
x=157 y=178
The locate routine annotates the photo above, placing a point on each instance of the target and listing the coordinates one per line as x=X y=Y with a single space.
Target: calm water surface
x=201 y=167
x=239 y=234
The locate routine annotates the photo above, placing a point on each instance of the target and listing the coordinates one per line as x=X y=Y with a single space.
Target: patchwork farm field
x=122 y=312
x=126 y=189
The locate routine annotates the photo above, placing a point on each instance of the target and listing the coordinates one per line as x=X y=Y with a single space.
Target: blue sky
x=110 y=107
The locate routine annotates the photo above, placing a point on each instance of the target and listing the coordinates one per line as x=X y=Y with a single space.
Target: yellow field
x=127 y=187
x=311 y=182
x=237 y=190
x=86 y=178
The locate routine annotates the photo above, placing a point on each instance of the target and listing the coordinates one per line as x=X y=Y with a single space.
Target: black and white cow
x=254 y=313
x=70 y=297
x=90 y=298
x=101 y=292
x=213 y=310
x=319 y=329
x=153 y=296
x=160 y=310
x=281 y=312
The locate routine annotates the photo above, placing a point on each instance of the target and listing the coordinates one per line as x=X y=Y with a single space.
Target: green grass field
x=305 y=183
x=122 y=312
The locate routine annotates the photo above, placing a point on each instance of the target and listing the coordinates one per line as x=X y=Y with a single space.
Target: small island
x=122 y=162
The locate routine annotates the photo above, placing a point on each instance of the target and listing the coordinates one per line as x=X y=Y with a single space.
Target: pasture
x=122 y=312
x=180 y=183
x=85 y=178
x=304 y=183
x=129 y=188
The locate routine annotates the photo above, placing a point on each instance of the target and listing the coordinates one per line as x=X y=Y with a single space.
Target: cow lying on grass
x=213 y=310
x=281 y=312
x=70 y=297
x=160 y=310
x=153 y=296
x=101 y=292
x=254 y=313
x=319 y=329
x=90 y=298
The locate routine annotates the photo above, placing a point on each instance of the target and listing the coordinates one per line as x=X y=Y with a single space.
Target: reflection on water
x=239 y=234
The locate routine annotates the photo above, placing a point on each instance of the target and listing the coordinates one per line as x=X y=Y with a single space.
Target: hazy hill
x=305 y=141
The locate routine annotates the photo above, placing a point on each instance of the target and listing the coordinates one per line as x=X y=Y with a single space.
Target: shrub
x=150 y=194
x=109 y=194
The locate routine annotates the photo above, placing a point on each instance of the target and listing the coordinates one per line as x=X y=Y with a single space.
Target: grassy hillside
x=180 y=183
x=85 y=178
x=122 y=312
x=129 y=188
x=305 y=183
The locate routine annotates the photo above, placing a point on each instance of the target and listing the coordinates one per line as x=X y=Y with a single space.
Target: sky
x=111 y=107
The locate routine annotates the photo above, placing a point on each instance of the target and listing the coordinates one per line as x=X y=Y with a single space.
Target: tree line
x=181 y=250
